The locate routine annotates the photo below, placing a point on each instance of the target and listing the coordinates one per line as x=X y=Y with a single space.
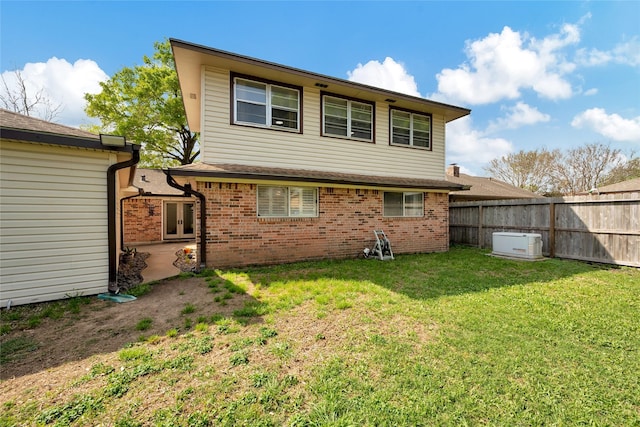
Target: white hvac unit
x=517 y=245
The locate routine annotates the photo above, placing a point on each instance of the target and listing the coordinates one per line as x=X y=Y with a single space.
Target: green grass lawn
x=457 y=338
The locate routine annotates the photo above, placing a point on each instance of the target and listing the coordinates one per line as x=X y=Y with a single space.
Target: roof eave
x=190 y=57
x=243 y=176
x=57 y=139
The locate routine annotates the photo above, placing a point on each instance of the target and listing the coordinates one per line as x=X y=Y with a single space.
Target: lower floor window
x=281 y=201
x=408 y=204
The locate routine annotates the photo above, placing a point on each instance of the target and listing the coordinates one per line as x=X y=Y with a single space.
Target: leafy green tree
x=144 y=104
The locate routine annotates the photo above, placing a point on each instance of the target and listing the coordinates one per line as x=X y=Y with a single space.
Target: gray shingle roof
x=487 y=189
x=11 y=120
x=154 y=181
x=629 y=185
x=303 y=175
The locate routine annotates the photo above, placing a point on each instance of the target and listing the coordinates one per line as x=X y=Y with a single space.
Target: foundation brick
x=344 y=227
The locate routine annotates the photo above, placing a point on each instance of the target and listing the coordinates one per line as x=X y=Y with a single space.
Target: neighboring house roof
x=190 y=57
x=628 y=186
x=484 y=188
x=244 y=172
x=154 y=181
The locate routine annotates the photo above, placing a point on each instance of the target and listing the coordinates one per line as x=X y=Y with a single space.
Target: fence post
x=480 y=230
x=552 y=229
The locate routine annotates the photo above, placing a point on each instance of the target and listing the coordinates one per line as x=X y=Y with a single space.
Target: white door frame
x=179 y=220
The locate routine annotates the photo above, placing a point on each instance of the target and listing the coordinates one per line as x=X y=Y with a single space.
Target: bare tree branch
x=19 y=100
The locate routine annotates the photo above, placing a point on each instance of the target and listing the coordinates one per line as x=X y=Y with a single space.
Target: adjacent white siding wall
x=226 y=143
x=53 y=222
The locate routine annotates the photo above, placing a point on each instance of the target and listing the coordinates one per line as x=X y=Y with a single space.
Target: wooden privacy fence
x=599 y=228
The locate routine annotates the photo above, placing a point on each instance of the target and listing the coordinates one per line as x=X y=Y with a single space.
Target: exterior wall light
x=113 y=140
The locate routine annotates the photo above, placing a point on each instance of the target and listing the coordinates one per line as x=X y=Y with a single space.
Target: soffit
x=246 y=173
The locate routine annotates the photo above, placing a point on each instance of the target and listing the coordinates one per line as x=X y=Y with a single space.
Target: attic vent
x=322 y=85
x=389 y=100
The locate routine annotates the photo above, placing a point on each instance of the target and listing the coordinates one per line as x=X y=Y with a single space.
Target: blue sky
x=540 y=74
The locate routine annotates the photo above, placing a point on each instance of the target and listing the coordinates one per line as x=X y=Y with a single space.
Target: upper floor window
x=411 y=129
x=347 y=118
x=280 y=201
x=410 y=204
x=265 y=104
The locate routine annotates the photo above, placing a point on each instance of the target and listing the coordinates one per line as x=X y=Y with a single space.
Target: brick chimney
x=453 y=170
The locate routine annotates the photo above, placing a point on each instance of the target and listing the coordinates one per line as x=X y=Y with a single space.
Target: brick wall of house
x=140 y=224
x=344 y=227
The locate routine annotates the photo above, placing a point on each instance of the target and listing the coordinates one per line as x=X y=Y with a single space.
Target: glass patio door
x=178 y=220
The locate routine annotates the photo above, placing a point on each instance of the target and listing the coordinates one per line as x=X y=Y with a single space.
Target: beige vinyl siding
x=226 y=143
x=53 y=222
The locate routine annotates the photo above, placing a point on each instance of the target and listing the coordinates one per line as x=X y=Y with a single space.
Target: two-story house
x=296 y=165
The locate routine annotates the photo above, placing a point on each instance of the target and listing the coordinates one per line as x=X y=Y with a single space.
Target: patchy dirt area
x=104 y=326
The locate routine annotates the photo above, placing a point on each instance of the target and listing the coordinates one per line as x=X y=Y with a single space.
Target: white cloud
x=611 y=126
x=389 y=74
x=501 y=65
x=626 y=53
x=517 y=116
x=63 y=83
x=590 y=92
x=471 y=148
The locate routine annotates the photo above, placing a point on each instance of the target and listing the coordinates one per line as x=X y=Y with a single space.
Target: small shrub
x=172 y=333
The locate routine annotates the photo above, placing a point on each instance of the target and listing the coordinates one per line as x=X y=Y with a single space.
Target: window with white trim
x=410 y=129
x=263 y=104
x=281 y=201
x=407 y=204
x=347 y=118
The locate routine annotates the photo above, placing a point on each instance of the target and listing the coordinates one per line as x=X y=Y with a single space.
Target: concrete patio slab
x=160 y=262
